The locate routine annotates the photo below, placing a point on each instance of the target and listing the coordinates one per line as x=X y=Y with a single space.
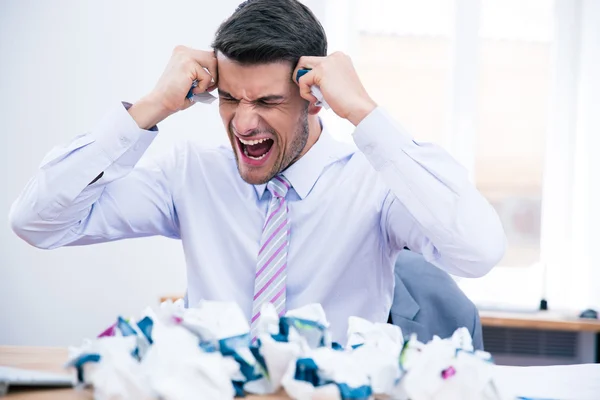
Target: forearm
x=434 y=189
x=61 y=194
x=148 y=112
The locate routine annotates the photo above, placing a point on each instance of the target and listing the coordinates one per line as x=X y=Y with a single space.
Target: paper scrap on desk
x=377 y=348
x=176 y=353
x=177 y=368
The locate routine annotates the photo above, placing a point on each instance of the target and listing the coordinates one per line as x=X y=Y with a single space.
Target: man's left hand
x=338 y=81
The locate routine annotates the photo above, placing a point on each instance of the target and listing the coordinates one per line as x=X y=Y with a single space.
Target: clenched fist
x=169 y=95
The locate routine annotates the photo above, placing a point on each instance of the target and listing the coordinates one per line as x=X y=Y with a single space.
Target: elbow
x=495 y=243
x=488 y=251
x=22 y=223
x=491 y=256
x=475 y=256
x=483 y=239
x=472 y=259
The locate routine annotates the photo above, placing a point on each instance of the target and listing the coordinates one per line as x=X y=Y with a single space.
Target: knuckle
x=340 y=55
x=179 y=49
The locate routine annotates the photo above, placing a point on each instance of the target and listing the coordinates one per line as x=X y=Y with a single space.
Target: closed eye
x=266 y=103
x=229 y=99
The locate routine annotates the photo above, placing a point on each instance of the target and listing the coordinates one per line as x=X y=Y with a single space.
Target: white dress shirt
x=351 y=212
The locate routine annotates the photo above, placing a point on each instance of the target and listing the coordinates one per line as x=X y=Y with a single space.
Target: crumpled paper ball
x=179 y=353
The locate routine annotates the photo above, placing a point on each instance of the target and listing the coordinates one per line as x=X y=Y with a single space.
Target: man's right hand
x=169 y=94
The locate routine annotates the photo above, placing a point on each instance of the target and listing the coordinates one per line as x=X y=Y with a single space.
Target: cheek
x=280 y=122
x=278 y=126
x=226 y=112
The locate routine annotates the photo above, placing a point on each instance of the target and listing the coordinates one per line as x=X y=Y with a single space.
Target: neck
x=314 y=133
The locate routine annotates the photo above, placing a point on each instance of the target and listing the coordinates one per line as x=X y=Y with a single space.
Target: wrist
x=148 y=111
x=360 y=111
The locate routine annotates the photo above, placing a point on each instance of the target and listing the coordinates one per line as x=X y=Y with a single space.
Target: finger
x=310 y=62
x=306 y=62
x=305 y=83
x=205 y=80
x=189 y=101
x=208 y=61
x=208 y=89
x=200 y=88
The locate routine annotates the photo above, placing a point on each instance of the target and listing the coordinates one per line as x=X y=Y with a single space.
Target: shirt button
x=124 y=141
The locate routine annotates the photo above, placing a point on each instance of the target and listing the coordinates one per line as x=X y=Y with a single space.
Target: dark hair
x=266 y=31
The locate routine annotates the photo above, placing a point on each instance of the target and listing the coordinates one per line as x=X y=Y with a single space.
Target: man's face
x=265 y=117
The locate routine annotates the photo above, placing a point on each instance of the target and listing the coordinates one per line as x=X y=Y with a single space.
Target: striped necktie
x=270 y=279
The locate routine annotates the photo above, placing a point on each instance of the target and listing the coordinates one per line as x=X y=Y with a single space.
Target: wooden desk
x=51 y=359
x=557 y=382
x=543 y=320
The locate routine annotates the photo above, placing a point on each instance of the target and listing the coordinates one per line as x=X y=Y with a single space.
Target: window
x=510 y=89
x=513 y=84
x=475 y=79
x=404 y=57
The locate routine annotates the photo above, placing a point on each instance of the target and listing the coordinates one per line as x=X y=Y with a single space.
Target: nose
x=245 y=120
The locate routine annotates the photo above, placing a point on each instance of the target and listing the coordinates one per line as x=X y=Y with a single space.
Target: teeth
x=252 y=142
x=254 y=158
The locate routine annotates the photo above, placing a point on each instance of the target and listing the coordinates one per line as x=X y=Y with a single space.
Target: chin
x=256 y=174
x=254 y=177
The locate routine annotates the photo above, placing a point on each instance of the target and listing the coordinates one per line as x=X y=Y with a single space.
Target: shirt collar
x=304 y=173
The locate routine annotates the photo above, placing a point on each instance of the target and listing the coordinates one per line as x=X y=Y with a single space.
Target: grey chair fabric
x=427 y=301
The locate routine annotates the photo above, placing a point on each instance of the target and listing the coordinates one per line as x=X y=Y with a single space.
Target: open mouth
x=256 y=151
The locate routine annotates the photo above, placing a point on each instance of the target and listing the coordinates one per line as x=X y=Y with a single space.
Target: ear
x=313 y=109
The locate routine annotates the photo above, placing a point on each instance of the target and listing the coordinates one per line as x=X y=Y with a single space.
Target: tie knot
x=278 y=186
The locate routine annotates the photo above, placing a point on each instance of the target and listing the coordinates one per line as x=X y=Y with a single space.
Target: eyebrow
x=271 y=97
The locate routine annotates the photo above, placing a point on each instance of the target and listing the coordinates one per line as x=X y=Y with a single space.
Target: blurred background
x=511 y=88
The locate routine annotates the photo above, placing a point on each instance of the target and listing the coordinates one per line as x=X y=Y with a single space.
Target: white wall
x=62 y=64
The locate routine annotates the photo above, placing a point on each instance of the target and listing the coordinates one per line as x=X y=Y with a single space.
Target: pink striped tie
x=269 y=282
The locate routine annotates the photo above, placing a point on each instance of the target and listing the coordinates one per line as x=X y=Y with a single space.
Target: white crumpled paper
x=204 y=97
x=378 y=352
x=202 y=352
x=176 y=367
x=447 y=369
x=279 y=355
x=173 y=367
x=118 y=376
x=334 y=365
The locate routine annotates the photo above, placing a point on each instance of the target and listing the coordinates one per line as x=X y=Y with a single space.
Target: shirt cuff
x=120 y=138
x=380 y=138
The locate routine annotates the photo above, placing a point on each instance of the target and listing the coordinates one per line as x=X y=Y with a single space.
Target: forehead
x=254 y=80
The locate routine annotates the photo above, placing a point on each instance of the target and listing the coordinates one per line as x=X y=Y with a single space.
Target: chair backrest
x=427 y=301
